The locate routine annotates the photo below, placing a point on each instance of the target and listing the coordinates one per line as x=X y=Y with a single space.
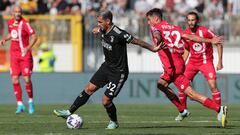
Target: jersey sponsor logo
x=14 y=34
x=106 y=45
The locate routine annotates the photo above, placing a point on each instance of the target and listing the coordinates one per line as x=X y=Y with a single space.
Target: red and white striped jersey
x=200 y=52
x=20 y=32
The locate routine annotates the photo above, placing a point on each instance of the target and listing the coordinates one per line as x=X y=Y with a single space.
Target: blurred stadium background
x=65 y=26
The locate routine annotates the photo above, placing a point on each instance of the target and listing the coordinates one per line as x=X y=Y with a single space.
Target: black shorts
x=114 y=79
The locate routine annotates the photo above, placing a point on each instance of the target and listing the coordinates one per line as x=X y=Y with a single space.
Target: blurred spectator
x=28 y=6
x=234 y=14
x=104 y=5
x=141 y=7
x=58 y=7
x=169 y=10
x=157 y=3
x=47 y=59
x=181 y=9
x=74 y=8
x=4 y=4
x=234 y=7
x=200 y=6
x=215 y=13
x=5 y=7
x=42 y=7
x=192 y=3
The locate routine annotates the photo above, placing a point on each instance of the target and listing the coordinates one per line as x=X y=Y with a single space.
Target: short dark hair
x=156 y=12
x=106 y=14
x=193 y=13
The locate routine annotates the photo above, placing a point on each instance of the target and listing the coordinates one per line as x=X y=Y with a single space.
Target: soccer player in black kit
x=113 y=72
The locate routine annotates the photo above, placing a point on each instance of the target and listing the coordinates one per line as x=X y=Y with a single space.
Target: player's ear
x=108 y=21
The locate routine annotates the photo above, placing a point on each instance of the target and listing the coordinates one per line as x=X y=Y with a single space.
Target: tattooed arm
x=145 y=45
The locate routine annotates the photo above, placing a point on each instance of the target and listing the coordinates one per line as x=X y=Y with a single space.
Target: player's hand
x=219 y=66
x=96 y=30
x=218 y=40
x=158 y=47
x=2 y=42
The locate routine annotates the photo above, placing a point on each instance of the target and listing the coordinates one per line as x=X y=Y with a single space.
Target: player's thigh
x=181 y=82
x=100 y=78
x=190 y=71
x=208 y=71
x=116 y=82
x=26 y=65
x=15 y=68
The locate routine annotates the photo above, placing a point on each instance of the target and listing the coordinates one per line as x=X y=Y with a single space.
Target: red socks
x=211 y=104
x=183 y=99
x=29 y=90
x=177 y=103
x=17 y=91
x=216 y=96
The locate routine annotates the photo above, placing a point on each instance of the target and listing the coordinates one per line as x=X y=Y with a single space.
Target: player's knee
x=15 y=80
x=90 y=89
x=106 y=101
x=213 y=88
x=27 y=80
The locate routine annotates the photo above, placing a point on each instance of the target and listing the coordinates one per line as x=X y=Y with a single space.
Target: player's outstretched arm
x=145 y=45
x=214 y=40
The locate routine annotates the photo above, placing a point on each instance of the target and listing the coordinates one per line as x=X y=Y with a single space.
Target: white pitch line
x=126 y=122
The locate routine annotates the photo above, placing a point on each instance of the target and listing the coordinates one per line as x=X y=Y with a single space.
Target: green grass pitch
x=147 y=119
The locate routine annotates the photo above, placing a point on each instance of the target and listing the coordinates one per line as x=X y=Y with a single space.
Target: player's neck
x=194 y=29
x=109 y=28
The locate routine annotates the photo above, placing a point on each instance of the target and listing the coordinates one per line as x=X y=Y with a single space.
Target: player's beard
x=18 y=17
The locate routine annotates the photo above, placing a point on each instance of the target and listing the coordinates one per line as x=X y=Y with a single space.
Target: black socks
x=79 y=101
x=111 y=111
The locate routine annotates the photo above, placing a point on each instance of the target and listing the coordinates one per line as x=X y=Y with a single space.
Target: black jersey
x=114 y=45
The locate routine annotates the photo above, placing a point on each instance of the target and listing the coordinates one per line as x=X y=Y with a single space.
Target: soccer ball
x=74 y=121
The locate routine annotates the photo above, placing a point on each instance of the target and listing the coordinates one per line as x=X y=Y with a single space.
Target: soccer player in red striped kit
x=201 y=57
x=173 y=63
x=21 y=61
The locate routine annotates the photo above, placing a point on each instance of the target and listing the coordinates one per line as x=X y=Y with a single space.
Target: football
x=74 y=121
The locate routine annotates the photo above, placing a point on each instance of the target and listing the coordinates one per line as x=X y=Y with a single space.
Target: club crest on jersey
x=14 y=34
x=127 y=36
x=210 y=75
x=197 y=47
x=112 y=38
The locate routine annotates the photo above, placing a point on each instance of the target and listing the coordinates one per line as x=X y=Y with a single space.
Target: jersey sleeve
x=125 y=36
x=210 y=34
x=29 y=29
